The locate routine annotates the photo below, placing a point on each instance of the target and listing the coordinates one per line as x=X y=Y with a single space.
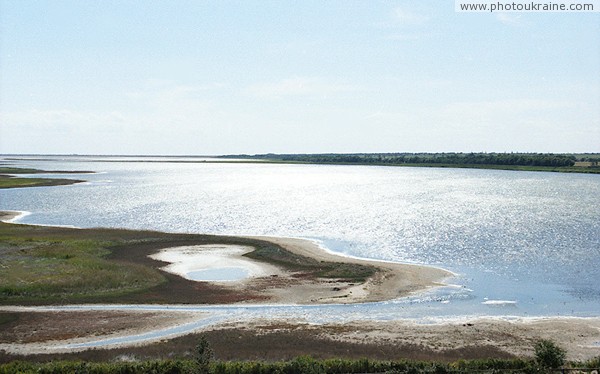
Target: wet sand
x=9 y=215
x=48 y=332
x=393 y=280
x=279 y=286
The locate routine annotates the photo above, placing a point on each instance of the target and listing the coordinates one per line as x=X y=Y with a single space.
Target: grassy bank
x=10 y=181
x=299 y=365
x=49 y=265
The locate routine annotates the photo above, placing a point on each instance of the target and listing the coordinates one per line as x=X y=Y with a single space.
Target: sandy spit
x=8 y=216
x=394 y=280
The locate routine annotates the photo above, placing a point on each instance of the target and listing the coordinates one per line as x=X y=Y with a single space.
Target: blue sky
x=223 y=77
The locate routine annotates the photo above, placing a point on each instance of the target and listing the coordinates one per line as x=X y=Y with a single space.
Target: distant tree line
x=511 y=159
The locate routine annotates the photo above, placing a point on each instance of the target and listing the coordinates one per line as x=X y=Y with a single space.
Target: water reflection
x=531 y=238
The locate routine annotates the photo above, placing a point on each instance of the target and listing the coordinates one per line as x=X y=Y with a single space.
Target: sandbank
x=275 y=285
x=392 y=281
x=281 y=286
x=9 y=216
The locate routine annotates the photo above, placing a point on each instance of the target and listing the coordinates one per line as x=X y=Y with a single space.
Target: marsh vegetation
x=50 y=265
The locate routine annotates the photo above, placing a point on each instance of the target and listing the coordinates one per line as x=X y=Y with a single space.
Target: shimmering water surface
x=521 y=243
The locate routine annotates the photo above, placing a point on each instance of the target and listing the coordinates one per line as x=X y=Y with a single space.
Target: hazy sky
x=223 y=77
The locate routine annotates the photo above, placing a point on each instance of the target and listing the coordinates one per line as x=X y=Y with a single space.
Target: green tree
x=203 y=355
x=549 y=355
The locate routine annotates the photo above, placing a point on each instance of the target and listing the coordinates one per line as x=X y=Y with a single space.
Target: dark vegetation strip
x=51 y=265
x=8 y=181
x=502 y=161
x=298 y=365
x=13 y=170
x=548 y=162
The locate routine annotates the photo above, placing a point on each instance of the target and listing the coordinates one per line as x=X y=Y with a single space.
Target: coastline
x=392 y=281
x=113 y=332
x=55 y=331
x=9 y=216
x=286 y=287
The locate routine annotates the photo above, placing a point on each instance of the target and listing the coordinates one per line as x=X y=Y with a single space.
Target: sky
x=227 y=77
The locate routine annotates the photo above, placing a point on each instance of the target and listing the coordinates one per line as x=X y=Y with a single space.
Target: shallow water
x=528 y=239
x=226 y=274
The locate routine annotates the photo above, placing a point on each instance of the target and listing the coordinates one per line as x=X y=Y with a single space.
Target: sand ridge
x=392 y=281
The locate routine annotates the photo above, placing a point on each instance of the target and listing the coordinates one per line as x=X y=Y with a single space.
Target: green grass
x=11 y=170
x=16 y=182
x=9 y=181
x=7 y=317
x=54 y=268
x=40 y=264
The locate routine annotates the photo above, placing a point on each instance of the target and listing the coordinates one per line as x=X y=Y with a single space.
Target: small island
x=9 y=180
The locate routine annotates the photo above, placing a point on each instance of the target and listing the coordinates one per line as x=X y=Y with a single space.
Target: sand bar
x=9 y=215
x=226 y=265
x=392 y=281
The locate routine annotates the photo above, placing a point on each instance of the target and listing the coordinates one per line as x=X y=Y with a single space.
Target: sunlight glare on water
x=508 y=234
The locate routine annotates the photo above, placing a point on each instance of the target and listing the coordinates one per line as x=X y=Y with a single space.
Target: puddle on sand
x=228 y=274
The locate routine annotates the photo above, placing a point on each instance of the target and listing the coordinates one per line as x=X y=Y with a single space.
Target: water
x=522 y=243
x=225 y=274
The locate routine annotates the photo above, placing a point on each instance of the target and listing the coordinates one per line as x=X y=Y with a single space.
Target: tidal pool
x=213 y=263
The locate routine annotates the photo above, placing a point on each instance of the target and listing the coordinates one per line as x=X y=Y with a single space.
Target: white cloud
x=299 y=86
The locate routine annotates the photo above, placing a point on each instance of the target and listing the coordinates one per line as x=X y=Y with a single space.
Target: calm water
x=530 y=239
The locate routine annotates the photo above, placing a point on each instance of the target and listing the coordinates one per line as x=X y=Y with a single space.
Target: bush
x=203 y=355
x=304 y=365
x=549 y=355
x=593 y=363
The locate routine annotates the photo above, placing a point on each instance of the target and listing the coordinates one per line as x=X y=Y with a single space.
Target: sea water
x=520 y=243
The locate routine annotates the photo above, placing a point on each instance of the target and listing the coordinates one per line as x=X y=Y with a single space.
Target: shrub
x=203 y=355
x=549 y=355
x=593 y=363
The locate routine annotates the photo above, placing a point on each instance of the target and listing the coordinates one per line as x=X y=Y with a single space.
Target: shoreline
x=285 y=287
x=30 y=331
x=69 y=332
x=9 y=216
x=393 y=280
